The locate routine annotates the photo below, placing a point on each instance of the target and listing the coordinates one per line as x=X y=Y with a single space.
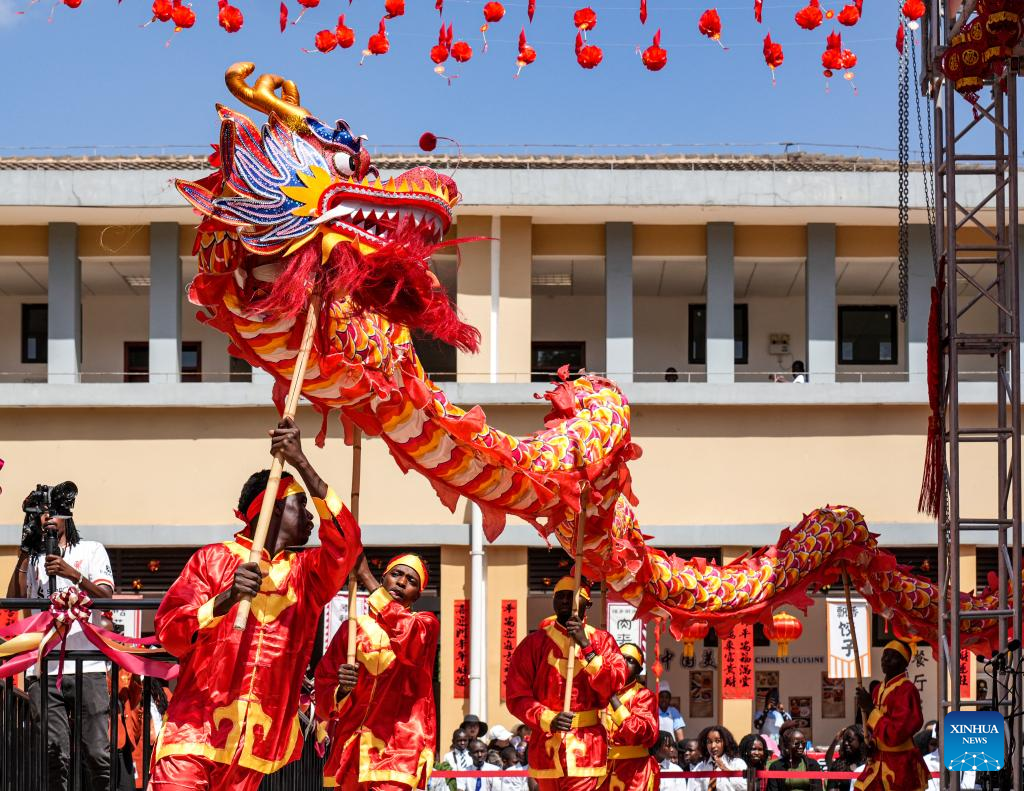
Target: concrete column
x=618 y=300
x=506 y=581
x=473 y=297
x=820 y=302
x=721 y=342
x=455 y=587
x=165 y=291
x=515 y=312
x=64 y=297
x=736 y=715
x=920 y=279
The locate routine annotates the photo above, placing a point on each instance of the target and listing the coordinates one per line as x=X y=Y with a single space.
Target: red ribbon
x=68 y=607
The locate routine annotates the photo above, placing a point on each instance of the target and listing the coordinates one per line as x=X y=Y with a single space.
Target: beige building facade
x=695 y=283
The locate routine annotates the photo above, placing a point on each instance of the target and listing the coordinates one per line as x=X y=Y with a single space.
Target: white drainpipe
x=477 y=616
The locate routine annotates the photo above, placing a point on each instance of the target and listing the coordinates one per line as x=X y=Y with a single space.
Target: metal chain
x=927 y=173
x=904 y=177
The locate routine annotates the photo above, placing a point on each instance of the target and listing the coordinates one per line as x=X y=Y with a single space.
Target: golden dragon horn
x=263 y=96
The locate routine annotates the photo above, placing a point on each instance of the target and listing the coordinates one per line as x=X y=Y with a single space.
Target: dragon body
x=296 y=208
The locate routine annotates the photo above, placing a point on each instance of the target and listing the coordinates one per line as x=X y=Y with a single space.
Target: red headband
x=286 y=488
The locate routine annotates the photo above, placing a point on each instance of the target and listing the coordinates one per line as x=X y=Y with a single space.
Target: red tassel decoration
x=932 y=483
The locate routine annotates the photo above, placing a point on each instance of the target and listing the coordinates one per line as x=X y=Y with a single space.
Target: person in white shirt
x=663 y=755
x=934 y=763
x=478 y=754
x=510 y=763
x=85 y=566
x=771 y=719
x=669 y=718
x=458 y=756
x=799 y=374
x=720 y=752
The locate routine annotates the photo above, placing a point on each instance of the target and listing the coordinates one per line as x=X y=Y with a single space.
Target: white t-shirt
x=90 y=558
x=670 y=719
x=674 y=783
x=480 y=783
x=724 y=783
x=967 y=779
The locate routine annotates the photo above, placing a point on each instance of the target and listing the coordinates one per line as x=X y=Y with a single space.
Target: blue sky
x=93 y=78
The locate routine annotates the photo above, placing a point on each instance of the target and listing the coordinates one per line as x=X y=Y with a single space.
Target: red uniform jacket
x=384 y=729
x=897 y=765
x=535 y=686
x=632 y=731
x=237 y=697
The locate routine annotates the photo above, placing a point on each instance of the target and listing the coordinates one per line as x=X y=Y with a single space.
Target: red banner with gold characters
x=461 y=664
x=738 y=664
x=965 y=674
x=509 y=631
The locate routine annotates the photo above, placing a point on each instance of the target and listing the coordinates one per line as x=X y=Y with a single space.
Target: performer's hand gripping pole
x=353 y=584
x=853 y=627
x=259 y=538
x=581 y=526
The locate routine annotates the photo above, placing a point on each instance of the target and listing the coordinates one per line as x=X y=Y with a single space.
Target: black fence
x=25 y=725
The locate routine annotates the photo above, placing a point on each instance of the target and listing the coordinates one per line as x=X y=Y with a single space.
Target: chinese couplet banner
x=841 y=659
x=509 y=631
x=461 y=664
x=738 y=664
x=966 y=687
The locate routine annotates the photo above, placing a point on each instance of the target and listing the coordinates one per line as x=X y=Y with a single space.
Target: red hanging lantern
x=183 y=16
x=710 y=25
x=901 y=36
x=162 y=10
x=378 y=43
x=773 y=56
x=346 y=36
x=783 y=629
x=154 y=565
x=229 y=17
x=850 y=15
x=585 y=19
x=643 y=12
x=461 y=51
x=587 y=55
x=531 y=7
x=493 y=12
x=527 y=54
x=913 y=9
x=964 y=60
x=325 y=40
x=810 y=16
x=691 y=632
x=758 y=10
x=72 y=3
x=394 y=8
x=654 y=57
x=428 y=141
x=1003 y=24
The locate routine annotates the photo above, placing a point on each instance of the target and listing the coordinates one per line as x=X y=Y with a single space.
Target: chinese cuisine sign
x=738 y=664
x=841 y=656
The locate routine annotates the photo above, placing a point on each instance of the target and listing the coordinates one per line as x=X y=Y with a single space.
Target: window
x=868 y=335
x=34 y=333
x=136 y=361
x=239 y=370
x=697 y=350
x=546 y=357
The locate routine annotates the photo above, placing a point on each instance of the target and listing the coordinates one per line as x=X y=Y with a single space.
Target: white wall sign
x=841 y=659
x=336 y=612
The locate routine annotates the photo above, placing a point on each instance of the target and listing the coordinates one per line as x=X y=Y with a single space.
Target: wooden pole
x=353 y=585
x=853 y=627
x=291 y=404
x=581 y=525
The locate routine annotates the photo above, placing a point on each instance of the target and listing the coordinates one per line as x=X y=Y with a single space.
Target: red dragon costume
x=382 y=733
x=234 y=717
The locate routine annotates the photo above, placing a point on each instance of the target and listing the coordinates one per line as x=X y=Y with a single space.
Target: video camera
x=56 y=500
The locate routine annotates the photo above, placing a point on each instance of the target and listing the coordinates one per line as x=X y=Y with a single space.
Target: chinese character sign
x=965 y=674
x=509 y=633
x=624 y=625
x=461 y=665
x=738 y=664
x=841 y=659
x=336 y=612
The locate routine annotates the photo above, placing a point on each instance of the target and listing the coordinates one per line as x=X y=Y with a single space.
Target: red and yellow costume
x=234 y=715
x=632 y=730
x=382 y=732
x=897 y=764
x=535 y=686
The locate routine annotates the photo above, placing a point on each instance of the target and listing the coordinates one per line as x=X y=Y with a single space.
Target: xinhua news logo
x=973 y=741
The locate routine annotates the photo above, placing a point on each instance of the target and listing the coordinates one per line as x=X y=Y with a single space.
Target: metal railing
x=26 y=764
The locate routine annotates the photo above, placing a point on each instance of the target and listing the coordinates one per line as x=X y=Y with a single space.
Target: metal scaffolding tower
x=976 y=211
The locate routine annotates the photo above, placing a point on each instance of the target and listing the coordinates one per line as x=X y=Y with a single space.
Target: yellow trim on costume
x=415 y=562
x=621 y=752
x=569 y=584
x=874 y=717
x=293 y=487
x=584 y=719
x=620 y=715
x=899 y=647
x=546 y=718
x=205 y=615
x=593 y=666
x=380 y=656
x=330 y=506
x=380 y=599
x=633 y=653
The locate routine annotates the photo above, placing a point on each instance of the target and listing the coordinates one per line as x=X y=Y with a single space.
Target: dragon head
x=305 y=196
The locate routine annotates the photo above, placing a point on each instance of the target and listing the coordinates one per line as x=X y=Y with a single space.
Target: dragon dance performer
x=632 y=724
x=893 y=715
x=569 y=750
x=379 y=712
x=234 y=715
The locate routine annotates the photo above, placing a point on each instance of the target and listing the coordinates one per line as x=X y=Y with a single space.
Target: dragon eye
x=345 y=163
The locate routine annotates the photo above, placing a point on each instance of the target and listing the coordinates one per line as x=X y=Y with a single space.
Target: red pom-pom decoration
x=810 y=16
x=325 y=40
x=913 y=9
x=654 y=57
x=378 y=43
x=461 y=51
x=710 y=24
x=345 y=35
x=428 y=141
x=162 y=10
x=585 y=19
x=229 y=17
x=494 y=11
x=394 y=8
x=183 y=16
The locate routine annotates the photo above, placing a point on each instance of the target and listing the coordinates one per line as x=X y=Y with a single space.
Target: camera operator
x=53 y=555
